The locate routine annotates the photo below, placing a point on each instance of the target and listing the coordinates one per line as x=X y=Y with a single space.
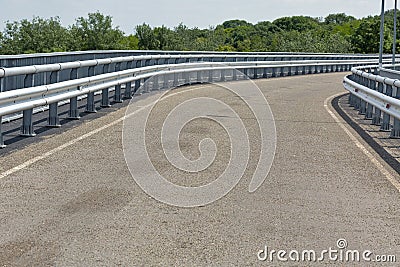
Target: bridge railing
x=65 y=84
x=48 y=67
x=375 y=93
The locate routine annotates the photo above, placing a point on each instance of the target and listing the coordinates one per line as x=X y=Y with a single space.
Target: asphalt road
x=78 y=205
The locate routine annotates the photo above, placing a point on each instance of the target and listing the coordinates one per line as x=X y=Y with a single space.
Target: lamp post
x=394 y=33
x=381 y=34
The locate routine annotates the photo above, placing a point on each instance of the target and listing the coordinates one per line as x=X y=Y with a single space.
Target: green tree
x=297 y=23
x=235 y=23
x=147 y=37
x=366 y=37
x=96 y=32
x=130 y=42
x=338 y=19
x=34 y=36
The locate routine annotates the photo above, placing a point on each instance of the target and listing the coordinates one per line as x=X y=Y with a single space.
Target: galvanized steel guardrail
x=376 y=96
x=44 y=73
x=138 y=69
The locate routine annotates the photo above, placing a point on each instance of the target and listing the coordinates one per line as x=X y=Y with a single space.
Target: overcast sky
x=201 y=13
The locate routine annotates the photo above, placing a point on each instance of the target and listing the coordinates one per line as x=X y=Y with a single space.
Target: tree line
x=336 y=33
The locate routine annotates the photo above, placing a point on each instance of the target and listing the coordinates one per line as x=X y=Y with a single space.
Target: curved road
x=70 y=200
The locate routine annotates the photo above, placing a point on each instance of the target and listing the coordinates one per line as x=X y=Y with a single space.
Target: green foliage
x=95 y=33
x=35 y=36
x=235 y=23
x=316 y=42
x=297 y=23
x=337 y=33
x=130 y=42
x=338 y=19
x=366 y=37
x=147 y=37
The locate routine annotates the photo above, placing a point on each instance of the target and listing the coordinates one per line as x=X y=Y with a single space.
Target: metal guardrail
x=137 y=70
x=376 y=97
x=47 y=73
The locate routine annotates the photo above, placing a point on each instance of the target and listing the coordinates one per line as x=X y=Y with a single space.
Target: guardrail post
x=137 y=86
x=73 y=113
x=357 y=103
x=53 y=120
x=146 y=86
x=165 y=81
x=128 y=90
x=290 y=71
x=155 y=83
x=296 y=70
x=370 y=108
x=223 y=76
x=281 y=72
x=396 y=122
x=273 y=72
x=363 y=107
x=376 y=117
x=210 y=76
x=350 y=100
x=395 y=133
x=176 y=80
x=105 y=98
x=27 y=125
x=385 y=126
x=185 y=78
x=308 y=70
x=117 y=92
x=90 y=105
x=234 y=74
x=246 y=73
x=265 y=73
x=369 y=112
x=255 y=73
x=199 y=76
x=2 y=145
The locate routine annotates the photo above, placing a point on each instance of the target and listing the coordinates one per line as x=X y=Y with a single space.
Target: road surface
x=78 y=205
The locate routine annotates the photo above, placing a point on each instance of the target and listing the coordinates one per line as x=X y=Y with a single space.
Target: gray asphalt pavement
x=80 y=205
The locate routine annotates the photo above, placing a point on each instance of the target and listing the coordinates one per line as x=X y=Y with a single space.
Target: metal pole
x=381 y=34
x=394 y=33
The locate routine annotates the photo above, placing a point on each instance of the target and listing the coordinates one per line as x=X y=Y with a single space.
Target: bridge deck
x=80 y=205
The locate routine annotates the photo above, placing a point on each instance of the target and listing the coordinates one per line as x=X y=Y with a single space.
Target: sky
x=193 y=13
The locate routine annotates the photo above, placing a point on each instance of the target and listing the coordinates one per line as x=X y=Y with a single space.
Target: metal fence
x=375 y=93
x=25 y=88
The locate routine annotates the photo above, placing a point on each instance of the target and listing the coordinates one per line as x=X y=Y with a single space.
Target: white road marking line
x=371 y=157
x=82 y=137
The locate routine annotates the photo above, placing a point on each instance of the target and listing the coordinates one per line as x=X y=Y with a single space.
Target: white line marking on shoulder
x=371 y=157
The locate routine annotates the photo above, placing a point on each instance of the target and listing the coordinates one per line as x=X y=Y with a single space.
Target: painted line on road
x=89 y=134
x=371 y=157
